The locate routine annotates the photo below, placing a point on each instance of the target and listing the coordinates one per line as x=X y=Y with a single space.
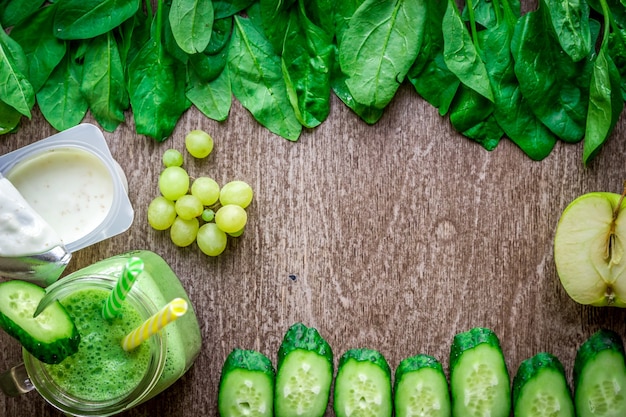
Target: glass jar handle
x=16 y=381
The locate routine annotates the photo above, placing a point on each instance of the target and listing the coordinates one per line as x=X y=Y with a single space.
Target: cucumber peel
x=247 y=385
x=51 y=336
x=304 y=373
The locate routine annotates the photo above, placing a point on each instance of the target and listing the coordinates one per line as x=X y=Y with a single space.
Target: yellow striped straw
x=171 y=312
x=113 y=303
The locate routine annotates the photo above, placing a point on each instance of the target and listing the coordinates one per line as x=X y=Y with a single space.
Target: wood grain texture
x=399 y=235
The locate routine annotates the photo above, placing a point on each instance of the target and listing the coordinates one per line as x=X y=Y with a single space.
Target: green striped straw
x=113 y=303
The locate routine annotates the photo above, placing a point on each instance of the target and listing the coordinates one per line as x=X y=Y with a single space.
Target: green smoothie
x=161 y=285
x=101 y=369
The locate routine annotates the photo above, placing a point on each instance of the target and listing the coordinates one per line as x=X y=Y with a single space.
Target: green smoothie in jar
x=161 y=285
x=100 y=370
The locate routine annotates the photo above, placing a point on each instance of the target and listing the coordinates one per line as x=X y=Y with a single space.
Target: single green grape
x=173 y=183
x=172 y=158
x=188 y=207
x=208 y=215
x=236 y=192
x=237 y=233
x=199 y=144
x=161 y=213
x=231 y=218
x=206 y=189
x=183 y=232
x=211 y=240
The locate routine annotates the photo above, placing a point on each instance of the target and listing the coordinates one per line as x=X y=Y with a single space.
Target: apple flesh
x=589 y=249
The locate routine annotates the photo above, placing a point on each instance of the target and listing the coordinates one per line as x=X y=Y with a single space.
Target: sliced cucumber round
x=540 y=388
x=51 y=336
x=479 y=380
x=246 y=385
x=363 y=385
x=600 y=376
x=304 y=373
x=421 y=388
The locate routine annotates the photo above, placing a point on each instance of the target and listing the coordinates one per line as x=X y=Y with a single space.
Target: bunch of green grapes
x=198 y=210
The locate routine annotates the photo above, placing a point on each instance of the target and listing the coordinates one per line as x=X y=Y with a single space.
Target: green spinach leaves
x=557 y=73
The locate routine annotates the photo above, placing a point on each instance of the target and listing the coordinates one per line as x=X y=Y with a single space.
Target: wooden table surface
x=395 y=237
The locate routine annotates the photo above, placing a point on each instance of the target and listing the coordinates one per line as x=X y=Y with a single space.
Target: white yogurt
x=22 y=230
x=70 y=188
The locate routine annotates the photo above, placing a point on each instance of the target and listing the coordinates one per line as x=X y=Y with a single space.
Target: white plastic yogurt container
x=72 y=181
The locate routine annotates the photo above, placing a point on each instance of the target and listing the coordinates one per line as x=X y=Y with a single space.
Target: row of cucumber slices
x=478 y=384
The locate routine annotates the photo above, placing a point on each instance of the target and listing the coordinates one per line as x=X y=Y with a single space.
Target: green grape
x=206 y=189
x=161 y=213
x=211 y=240
x=183 y=232
x=199 y=144
x=236 y=192
x=188 y=207
x=208 y=215
x=172 y=158
x=231 y=218
x=237 y=233
x=173 y=183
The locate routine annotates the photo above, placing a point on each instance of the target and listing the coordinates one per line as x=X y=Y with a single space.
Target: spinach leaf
x=132 y=34
x=471 y=114
x=605 y=104
x=487 y=13
x=209 y=64
x=570 y=20
x=275 y=20
x=344 y=11
x=556 y=87
x=83 y=19
x=605 y=100
x=156 y=86
x=378 y=48
x=169 y=41
x=257 y=81
x=103 y=82
x=15 y=89
x=220 y=35
x=617 y=51
x=213 y=98
x=43 y=50
x=208 y=67
x=307 y=59
x=9 y=118
x=511 y=110
x=60 y=99
x=228 y=8
x=17 y=11
x=460 y=53
x=191 y=22
x=429 y=74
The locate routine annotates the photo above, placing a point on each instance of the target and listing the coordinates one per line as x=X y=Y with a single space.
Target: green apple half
x=589 y=249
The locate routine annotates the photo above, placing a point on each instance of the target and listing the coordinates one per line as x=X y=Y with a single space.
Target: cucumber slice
x=49 y=337
x=479 y=380
x=304 y=373
x=600 y=376
x=421 y=388
x=540 y=388
x=363 y=385
x=246 y=385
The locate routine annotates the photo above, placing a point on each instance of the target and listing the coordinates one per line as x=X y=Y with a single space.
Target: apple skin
x=588 y=275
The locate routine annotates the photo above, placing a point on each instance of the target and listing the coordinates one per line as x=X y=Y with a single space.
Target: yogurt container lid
x=89 y=138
